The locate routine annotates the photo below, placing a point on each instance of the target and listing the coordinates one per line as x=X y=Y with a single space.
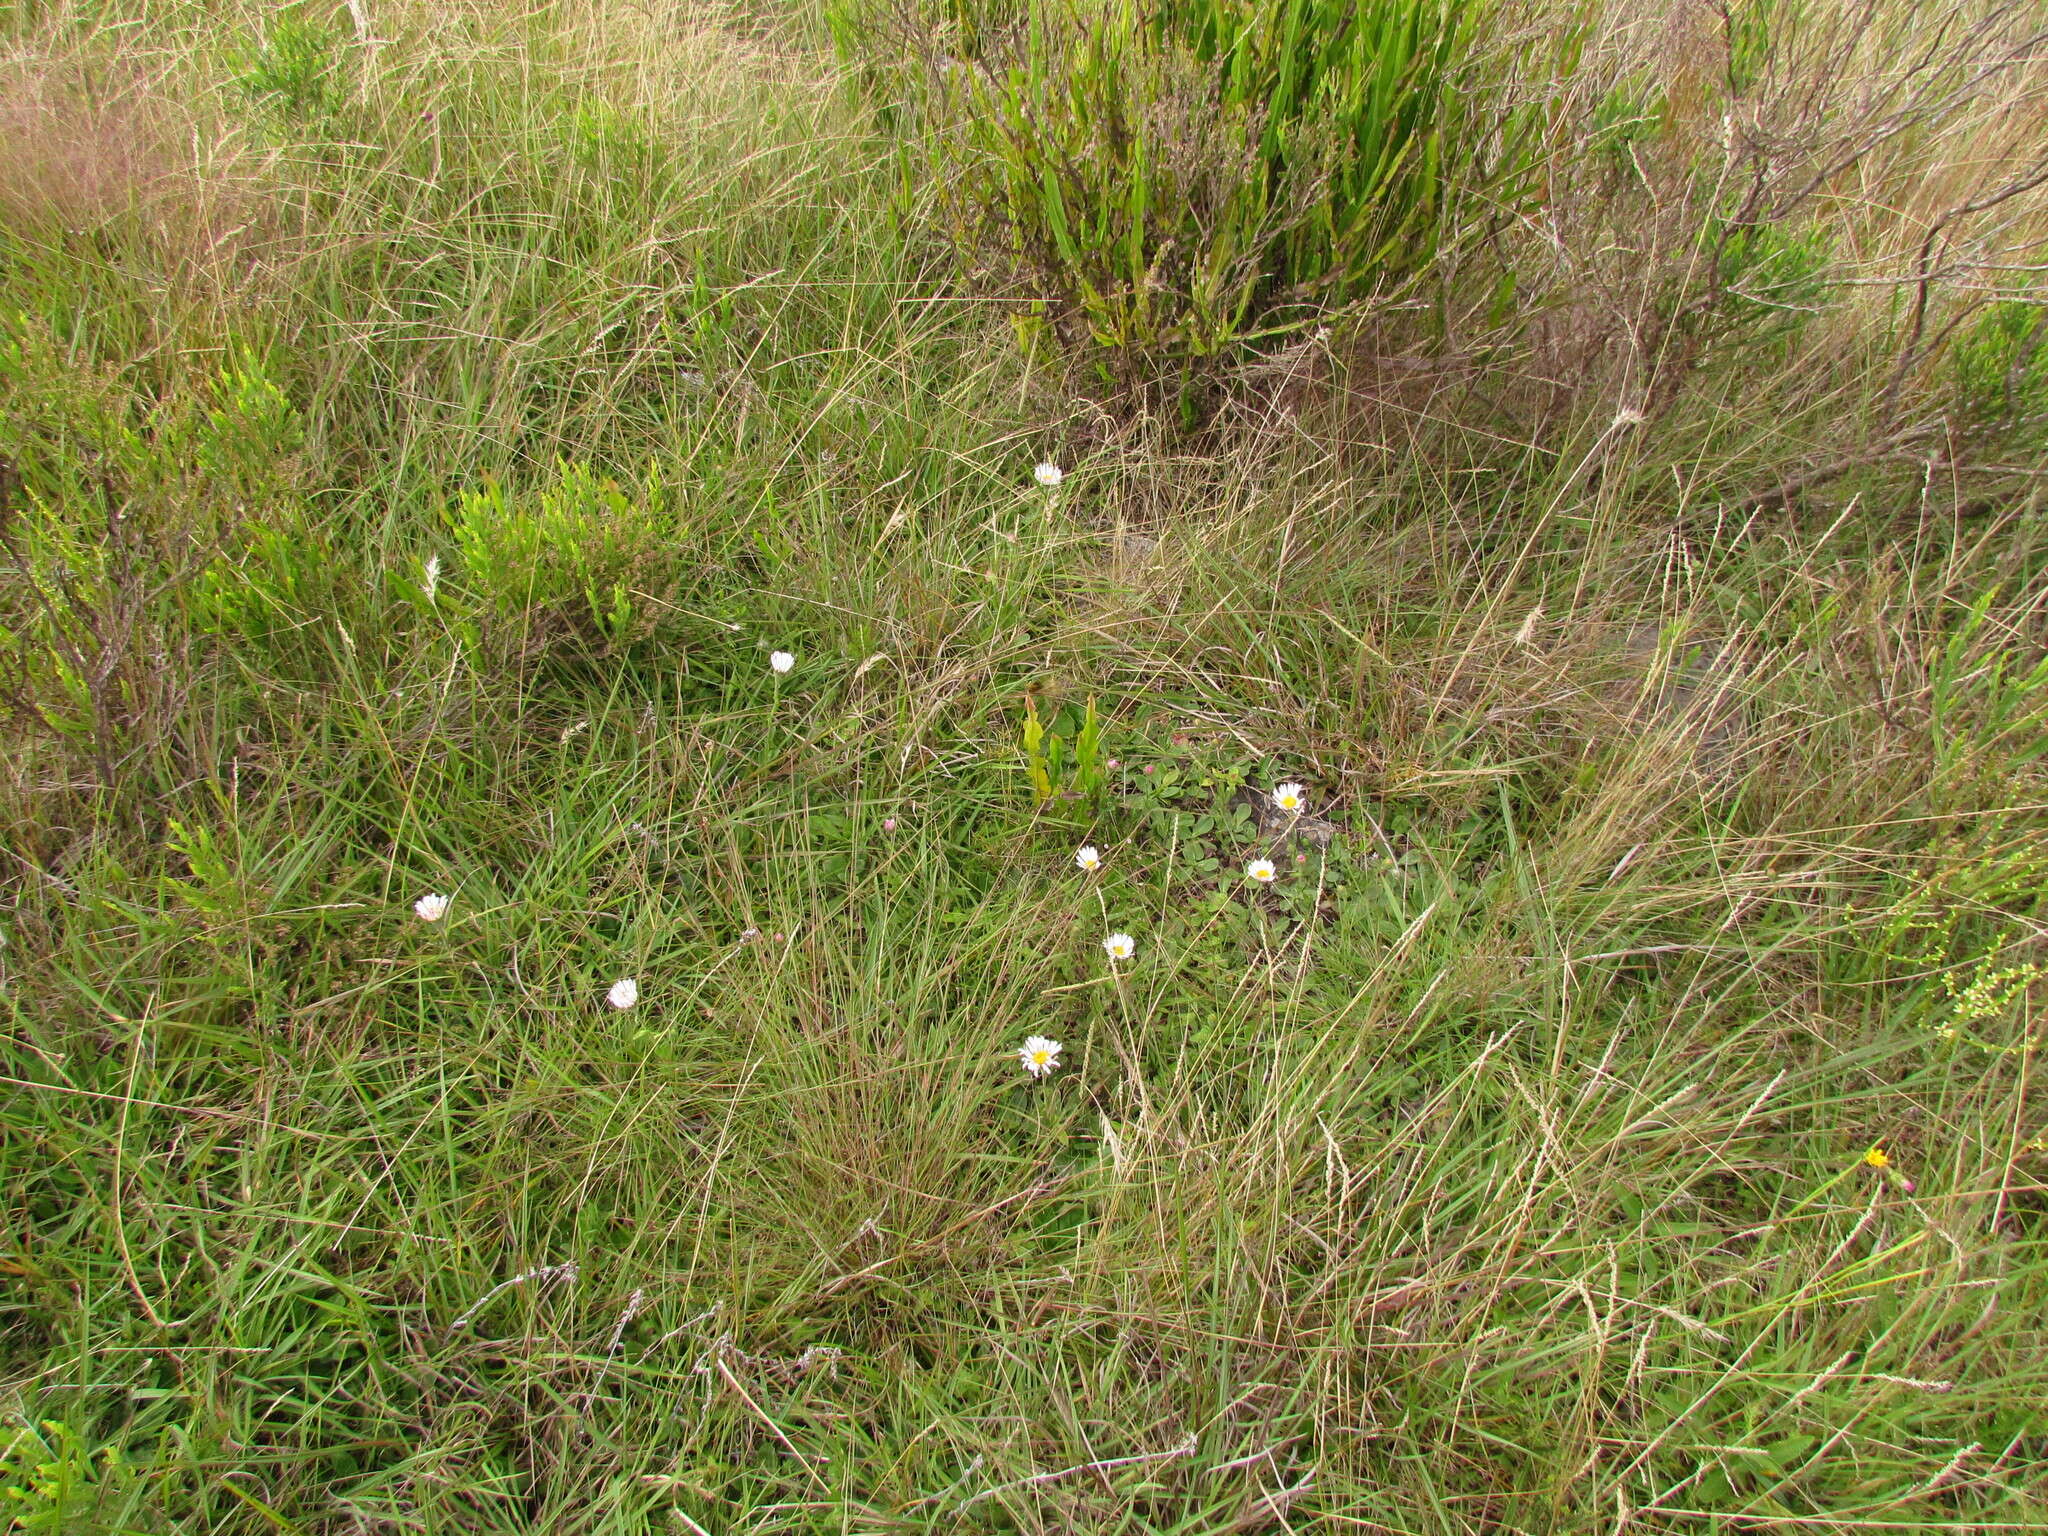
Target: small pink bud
x=1301 y=858
x=888 y=823
x=1114 y=763
x=1148 y=767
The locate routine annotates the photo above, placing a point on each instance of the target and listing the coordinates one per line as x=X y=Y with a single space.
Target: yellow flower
x=1876 y=1158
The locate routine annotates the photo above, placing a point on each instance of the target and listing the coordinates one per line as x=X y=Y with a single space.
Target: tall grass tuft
x=1179 y=187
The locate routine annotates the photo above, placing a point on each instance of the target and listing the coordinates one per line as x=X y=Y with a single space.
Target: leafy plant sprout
x=1062 y=765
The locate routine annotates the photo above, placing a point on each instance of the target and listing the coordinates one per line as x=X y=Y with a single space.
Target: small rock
x=1283 y=827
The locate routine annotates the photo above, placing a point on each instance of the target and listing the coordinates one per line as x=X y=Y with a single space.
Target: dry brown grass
x=104 y=154
x=1908 y=142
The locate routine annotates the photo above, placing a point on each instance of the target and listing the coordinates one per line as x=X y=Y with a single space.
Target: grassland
x=421 y=424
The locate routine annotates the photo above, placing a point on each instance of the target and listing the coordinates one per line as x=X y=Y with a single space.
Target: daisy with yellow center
x=1121 y=946
x=1089 y=857
x=1038 y=1055
x=1261 y=870
x=1289 y=797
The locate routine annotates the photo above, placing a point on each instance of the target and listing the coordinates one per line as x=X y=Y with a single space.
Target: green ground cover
x=422 y=424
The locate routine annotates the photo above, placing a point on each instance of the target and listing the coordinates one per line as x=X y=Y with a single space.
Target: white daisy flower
x=1049 y=476
x=1289 y=796
x=781 y=661
x=624 y=994
x=1039 y=1055
x=1089 y=857
x=1121 y=946
x=1261 y=870
x=431 y=908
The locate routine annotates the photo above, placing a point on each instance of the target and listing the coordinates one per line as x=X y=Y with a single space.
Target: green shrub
x=286 y=580
x=1630 y=114
x=1748 y=280
x=581 y=567
x=2000 y=368
x=1772 y=277
x=1181 y=185
x=112 y=510
x=291 y=67
x=1756 y=35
